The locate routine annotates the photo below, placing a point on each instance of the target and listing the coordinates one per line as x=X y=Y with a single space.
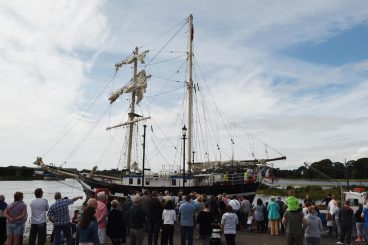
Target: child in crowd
x=292 y=202
x=75 y=221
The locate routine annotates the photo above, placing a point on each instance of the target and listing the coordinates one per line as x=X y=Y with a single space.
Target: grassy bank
x=315 y=192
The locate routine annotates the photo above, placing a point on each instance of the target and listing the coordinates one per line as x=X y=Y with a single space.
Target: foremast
x=137 y=87
x=132 y=112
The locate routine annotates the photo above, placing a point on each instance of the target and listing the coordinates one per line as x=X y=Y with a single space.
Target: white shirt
x=332 y=206
x=39 y=206
x=229 y=221
x=169 y=216
x=305 y=212
x=234 y=204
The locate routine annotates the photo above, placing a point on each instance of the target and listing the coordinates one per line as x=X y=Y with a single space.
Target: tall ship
x=182 y=151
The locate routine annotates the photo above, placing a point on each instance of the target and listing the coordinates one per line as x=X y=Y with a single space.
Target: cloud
x=53 y=56
x=41 y=70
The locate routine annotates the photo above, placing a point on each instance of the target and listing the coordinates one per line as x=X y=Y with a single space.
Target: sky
x=296 y=73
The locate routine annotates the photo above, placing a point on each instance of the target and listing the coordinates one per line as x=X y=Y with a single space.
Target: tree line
x=353 y=169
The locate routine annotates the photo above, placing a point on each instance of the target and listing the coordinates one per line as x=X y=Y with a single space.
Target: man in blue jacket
x=186 y=212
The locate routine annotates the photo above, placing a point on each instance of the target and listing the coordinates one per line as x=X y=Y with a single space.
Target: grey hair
x=101 y=196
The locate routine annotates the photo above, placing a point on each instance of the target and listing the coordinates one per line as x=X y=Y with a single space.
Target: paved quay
x=243 y=238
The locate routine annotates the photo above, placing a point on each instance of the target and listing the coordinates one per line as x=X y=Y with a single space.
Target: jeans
x=186 y=234
x=245 y=219
x=38 y=231
x=313 y=240
x=15 y=229
x=337 y=225
x=102 y=235
x=153 y=231
x=67 y=231
x=360 y=229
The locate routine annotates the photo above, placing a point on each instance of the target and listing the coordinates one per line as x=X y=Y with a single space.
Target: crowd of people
x=154 y=215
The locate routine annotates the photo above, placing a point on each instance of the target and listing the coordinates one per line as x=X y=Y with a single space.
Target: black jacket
x=115 y=225
x=346 y=216
x=155 y=210
x=136 y=217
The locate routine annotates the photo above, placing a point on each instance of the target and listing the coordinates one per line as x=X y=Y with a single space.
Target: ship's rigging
x=164 y=144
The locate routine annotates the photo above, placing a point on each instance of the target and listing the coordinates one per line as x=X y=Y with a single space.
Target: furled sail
x=139 y=57
x=138 y=86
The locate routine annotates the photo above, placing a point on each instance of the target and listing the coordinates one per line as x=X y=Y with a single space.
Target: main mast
x=190 y=92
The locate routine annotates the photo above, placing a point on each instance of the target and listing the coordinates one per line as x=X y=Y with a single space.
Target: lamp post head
x=184 y=131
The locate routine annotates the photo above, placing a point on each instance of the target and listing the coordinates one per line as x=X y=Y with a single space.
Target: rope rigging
x=181 y=23
x=86 y=136
x=72 y=123
x=226 y=117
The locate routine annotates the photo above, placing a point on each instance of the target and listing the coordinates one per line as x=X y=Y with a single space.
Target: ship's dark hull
x=248 y=189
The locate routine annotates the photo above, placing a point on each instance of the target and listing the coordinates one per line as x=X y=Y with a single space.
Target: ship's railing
x=236 y=178
x=225 y=179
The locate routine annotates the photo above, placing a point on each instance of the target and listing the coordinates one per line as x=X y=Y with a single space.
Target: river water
x=68 y=188
x=286 y=182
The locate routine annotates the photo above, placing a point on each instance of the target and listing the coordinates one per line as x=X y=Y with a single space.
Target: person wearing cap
x=39 y=207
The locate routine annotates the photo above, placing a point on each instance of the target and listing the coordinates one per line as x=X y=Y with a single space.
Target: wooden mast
x=131 y=114
x=190 y=93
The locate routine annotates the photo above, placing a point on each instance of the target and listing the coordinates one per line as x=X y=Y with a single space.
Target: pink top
x=101 y=214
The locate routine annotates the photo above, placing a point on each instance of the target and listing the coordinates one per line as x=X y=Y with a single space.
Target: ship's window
x=173 y=182
x=138 y=181
x=147 y=182
x=353 y=202
x=130 y=181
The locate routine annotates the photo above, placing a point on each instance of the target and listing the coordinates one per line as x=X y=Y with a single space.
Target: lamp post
x=193 y=152
x=184 y=133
